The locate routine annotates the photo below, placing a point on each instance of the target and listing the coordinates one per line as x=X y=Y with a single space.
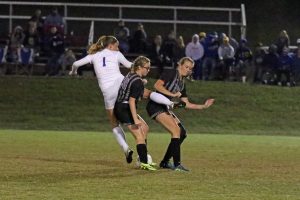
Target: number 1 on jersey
x=104 y=64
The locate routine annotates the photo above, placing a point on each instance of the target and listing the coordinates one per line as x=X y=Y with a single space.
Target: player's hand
x=137 y=124
x=177 y=94
x=209 y=102
x=144 y=81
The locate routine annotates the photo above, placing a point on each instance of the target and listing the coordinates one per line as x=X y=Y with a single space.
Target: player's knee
x=175 y=132
x=146 y=128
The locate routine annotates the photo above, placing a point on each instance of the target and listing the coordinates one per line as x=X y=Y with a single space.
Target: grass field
x=245 y=147
x=39 y=103
x=90 y=165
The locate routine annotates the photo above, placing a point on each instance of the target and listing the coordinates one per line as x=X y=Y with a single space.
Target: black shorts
x=123 y=113
x=155 y=109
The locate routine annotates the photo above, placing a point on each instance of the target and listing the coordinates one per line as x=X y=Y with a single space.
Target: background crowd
x=217 y=56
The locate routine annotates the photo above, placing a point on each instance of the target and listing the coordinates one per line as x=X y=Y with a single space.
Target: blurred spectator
x=226 y=57
x=54 y=19
x=180 y=49
x=38 y=19
x=243 y=59
x=283 y=40
x=270 y=65
x=202 y=37
x=168 y=49
x=16 y=40
x=139 y=40
x=258 y=58
x=209 y=65
x=195 y=50
x=232 y=41
x=25 y=61
x=285 y=67
x=31 y=39
x=122 y=33
x=156 y=55
x=66 y=61
x=55 y=48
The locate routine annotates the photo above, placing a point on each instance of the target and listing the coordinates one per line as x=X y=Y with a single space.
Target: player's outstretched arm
x=190 y=105
x=84 y=61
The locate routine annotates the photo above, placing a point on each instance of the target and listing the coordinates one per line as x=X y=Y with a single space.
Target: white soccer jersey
x=106 y=65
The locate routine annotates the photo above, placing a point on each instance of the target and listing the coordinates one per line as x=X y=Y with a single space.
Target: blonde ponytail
x=102 y=43
x=98 y=46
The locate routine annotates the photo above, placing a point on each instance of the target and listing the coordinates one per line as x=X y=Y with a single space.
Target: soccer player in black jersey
x=172 y=85
x=130 y=92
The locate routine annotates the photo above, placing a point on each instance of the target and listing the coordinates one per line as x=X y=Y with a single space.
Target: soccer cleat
x=153 y=164
x=166 y=165
x=128 y=155
x=181 y=168
x=145 y=166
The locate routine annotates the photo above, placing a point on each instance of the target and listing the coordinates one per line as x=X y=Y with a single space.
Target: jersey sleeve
x=86 y=60
x=123 y=60
x=137 y=89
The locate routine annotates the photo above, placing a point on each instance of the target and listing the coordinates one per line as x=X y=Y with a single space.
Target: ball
x=149 y=158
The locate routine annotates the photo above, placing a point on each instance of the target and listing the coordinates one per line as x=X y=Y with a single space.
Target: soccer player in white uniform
x=106 y=57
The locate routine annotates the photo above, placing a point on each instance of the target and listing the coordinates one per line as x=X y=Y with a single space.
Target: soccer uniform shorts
x=110 y=93
x=155 y=109
x=123 y=114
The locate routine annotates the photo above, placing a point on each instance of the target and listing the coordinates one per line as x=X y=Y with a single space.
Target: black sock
x=175 y=143
x=168 y=153
x=146 y=145
x=142 y=151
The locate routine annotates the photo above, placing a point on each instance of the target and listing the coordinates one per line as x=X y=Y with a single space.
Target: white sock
x=120 y=137
x=161 y=99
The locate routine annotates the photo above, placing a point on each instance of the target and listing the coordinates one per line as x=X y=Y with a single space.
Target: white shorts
x=110 y=93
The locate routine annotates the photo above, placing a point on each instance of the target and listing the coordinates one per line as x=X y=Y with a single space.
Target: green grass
x=39 y=103
x=90 y=165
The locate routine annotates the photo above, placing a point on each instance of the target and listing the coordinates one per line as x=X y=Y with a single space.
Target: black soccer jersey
x=132 y=86
x=173 y=82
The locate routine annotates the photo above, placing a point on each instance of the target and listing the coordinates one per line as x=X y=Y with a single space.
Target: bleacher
x=78 y=21
x=37 y=67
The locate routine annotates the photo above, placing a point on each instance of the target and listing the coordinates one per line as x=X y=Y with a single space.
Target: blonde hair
x=184 y=59
x=102 y=43
x=140 y=61
x=225 y=40
x=180 y=42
